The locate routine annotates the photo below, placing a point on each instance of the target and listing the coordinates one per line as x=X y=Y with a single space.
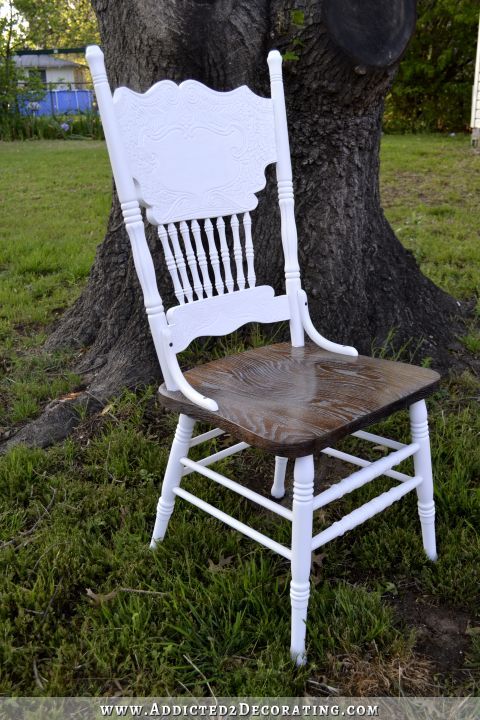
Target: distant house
x=55 y=72
x=65 y=83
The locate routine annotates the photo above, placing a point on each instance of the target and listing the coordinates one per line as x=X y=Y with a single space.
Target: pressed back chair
x=194 y=159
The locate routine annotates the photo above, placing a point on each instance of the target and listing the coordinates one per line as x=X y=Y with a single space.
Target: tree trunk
x=362 y=283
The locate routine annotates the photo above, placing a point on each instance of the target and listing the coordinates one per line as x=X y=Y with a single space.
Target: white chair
x=194 y=159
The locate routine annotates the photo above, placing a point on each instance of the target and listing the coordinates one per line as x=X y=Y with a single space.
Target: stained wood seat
x=296 y=401
x=194 y=159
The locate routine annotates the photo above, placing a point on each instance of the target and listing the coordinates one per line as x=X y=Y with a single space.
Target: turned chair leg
x=278 y=487
x=301 y=554
x=423 y=466
x=173 y=475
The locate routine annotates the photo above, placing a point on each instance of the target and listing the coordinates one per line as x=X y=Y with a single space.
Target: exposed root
x=56 y=422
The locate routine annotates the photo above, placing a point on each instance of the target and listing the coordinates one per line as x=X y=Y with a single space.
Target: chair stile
x=194 y=159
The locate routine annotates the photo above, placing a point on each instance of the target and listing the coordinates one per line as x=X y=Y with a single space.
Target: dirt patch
x=440 y=635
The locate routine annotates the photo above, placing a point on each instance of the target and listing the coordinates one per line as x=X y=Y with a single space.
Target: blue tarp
x=59 y=102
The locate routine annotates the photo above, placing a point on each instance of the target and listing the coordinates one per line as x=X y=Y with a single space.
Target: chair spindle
x=237 y=251
x=191 y=259
x=249 y=254
x=180 y=260
x=171 y=264
x=225 y=254
x=202 y=258
x=214 y=259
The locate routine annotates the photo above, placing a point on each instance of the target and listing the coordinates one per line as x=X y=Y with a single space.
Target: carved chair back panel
x=195 y=152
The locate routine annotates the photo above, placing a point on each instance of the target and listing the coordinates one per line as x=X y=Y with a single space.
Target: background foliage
x=432 y=91
x=433 y=87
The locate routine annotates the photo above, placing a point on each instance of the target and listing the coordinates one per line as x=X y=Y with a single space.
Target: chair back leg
x=173 y=475
x=302 y=524
x=423 y=467
x=278 y=487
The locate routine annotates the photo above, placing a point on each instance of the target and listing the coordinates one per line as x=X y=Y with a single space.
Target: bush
x=433 y=88
x=58 y=127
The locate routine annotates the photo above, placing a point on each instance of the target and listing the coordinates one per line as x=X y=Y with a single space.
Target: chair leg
x=278 y=487
x=423 y=466
x=301 y=554
x=173 y=475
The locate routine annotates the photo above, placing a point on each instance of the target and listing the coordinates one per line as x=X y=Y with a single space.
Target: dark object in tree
x=372 y=33
x=362 y=283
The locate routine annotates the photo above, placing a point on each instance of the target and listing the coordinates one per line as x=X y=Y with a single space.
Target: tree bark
x=363 y=285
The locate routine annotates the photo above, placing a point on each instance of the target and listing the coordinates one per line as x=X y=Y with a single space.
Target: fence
x=60 y=102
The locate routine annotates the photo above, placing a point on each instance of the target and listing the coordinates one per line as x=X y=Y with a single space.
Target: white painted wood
x=202 y=258
x=249 y=252
x=220 y=455
x=195 y=152
x=199 y=439
x=475 y=115
x=314 y=335
x=365 y=512
x=213 y=255
x=237 y=252
x=175 y=379
x=191 y=259
x=172 y=477
x=234 y=523
x=223 y=314
x=364 y=476
x=302 y=524
x=285 y=197
x=354 y=460
x=201 y=468
x=378 y=440
x=180 y=261
x=113 y=137
x=278 y=487
x=141 y=257
x=225 y=254
x=171 y=264
x=423 y=466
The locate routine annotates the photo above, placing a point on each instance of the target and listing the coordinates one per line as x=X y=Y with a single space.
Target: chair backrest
x=194 y=159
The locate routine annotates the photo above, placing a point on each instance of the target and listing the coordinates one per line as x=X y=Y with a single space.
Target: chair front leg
x=423 y=466
x=302 y=524
x=278 y=487
x=173 y=475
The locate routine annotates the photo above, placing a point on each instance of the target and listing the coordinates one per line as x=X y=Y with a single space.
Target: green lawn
x=87 y=609
x=54 y=201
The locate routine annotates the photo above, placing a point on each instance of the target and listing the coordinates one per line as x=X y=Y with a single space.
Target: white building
x=475 y=120
x=55 y=72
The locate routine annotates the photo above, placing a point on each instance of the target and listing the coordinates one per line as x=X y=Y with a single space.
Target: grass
x=54 y=200
x=430 y=186
x=87 y=609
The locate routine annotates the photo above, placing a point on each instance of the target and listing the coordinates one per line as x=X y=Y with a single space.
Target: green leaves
x=434 y=82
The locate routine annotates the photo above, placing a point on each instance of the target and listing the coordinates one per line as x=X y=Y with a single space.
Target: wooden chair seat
x=297 y=401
